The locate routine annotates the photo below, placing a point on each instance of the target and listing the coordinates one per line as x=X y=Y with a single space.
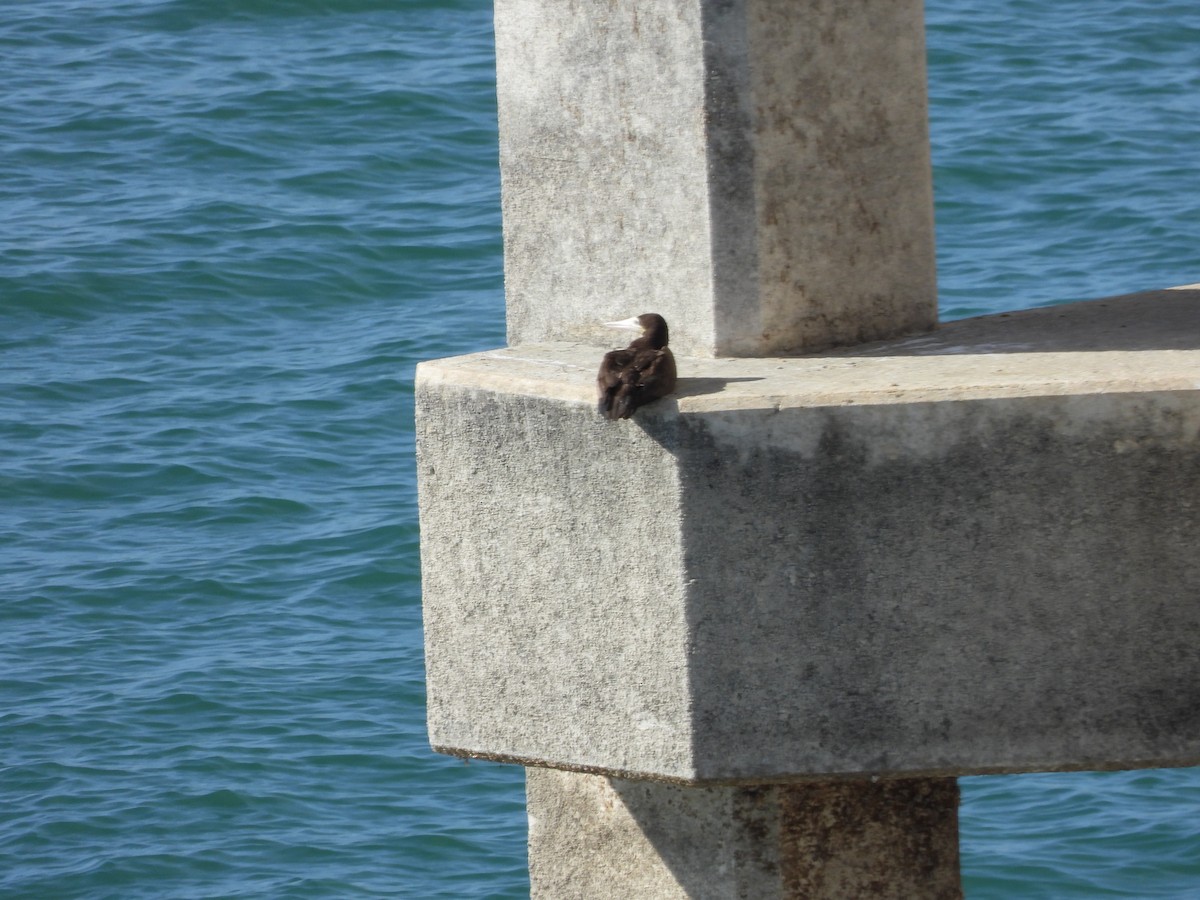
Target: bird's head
x=647 y=325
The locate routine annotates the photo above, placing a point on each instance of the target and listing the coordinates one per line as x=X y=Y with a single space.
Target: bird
x=643 y=371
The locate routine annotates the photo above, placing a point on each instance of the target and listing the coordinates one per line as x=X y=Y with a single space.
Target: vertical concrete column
x=597 y=837
x=758 y=172
x=755 y=170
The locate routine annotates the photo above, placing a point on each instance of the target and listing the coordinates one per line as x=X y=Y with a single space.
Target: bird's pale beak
x=625 y=324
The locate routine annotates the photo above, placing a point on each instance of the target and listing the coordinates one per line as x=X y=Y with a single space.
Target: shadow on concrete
x=683 y=825
x=890 y=838
x=1150 y=320
x=694 y=387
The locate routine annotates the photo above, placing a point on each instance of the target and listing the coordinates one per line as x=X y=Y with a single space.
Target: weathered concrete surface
x=972 y=552
x=595 y=837
x=755 y=170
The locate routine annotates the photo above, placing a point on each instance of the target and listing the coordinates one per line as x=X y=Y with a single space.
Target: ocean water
x=228 y=231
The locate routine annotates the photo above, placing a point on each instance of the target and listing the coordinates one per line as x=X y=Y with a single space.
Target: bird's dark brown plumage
x=643 y=371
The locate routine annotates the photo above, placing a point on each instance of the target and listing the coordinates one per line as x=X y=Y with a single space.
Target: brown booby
x=643 y=371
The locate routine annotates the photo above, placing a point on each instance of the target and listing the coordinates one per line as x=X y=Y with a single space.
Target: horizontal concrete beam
x=969 y=552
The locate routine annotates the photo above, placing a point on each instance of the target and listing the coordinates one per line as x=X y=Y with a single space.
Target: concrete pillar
x=597 y=837
x=757 y=171
x=746 y=640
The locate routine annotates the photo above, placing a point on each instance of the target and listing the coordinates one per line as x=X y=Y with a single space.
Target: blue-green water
x=225 y=227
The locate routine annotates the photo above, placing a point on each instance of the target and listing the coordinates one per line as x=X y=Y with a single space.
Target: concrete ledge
x=969 y=552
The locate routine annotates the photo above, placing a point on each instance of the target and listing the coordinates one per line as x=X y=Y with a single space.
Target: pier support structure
x=746 y=641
